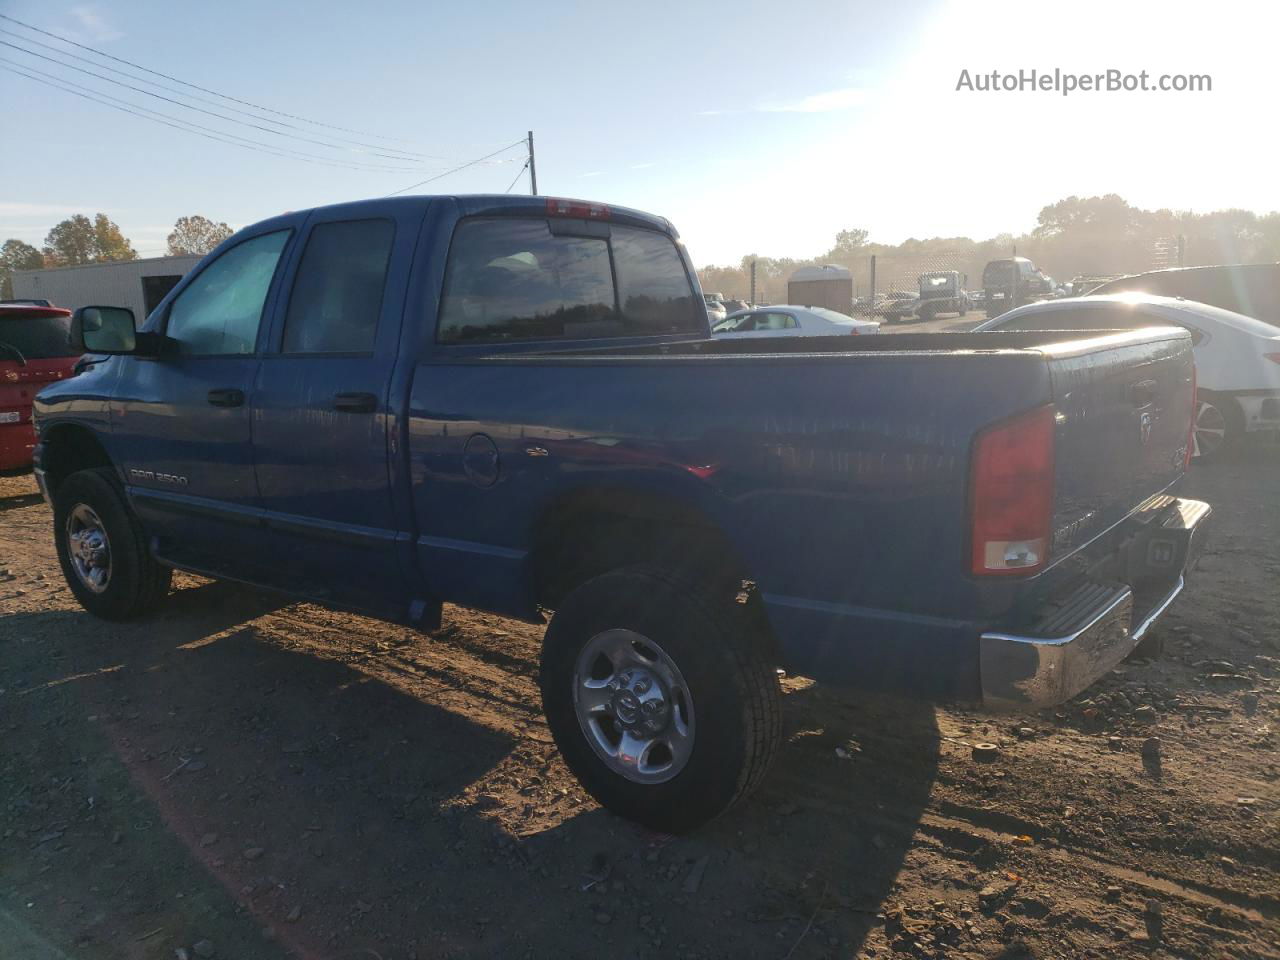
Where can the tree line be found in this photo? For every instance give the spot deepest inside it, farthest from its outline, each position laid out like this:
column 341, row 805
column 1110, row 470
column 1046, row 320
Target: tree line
column 79, row 240
column 1078, row 236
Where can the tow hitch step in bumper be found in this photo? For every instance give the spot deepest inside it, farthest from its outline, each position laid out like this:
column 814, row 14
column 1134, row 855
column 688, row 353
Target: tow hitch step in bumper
column 1087, row 634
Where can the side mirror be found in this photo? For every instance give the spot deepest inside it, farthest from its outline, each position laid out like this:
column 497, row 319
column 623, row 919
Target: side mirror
column 109, row 330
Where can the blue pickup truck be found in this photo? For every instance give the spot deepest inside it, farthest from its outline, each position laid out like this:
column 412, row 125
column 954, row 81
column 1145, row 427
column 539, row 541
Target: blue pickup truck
column 514, row 404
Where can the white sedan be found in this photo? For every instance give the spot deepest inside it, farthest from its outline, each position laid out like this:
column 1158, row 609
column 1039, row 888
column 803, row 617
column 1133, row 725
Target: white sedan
column 1237, row 357
column 715, row 309
column 790, row 321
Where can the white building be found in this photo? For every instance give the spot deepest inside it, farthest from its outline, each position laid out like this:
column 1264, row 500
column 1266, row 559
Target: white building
column 137, row 284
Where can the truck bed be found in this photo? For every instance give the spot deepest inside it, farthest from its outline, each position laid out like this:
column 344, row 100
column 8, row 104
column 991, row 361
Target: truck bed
column 838, row 467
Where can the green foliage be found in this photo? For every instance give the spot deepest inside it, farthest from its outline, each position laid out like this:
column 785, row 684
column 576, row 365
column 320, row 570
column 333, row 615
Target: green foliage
column 16, row 255
column 196, row 235
column 78, row 240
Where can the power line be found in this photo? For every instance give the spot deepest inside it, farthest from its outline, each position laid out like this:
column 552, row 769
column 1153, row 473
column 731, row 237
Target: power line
column 187, row 106
column 189, row 127
column 464, row 166
column 408, row 154
column 523, row 167
column 224, row 96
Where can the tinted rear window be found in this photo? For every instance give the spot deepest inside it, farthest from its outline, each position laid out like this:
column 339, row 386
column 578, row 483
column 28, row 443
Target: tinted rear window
column 998, row 272
column 513, row 279
column 36, row 337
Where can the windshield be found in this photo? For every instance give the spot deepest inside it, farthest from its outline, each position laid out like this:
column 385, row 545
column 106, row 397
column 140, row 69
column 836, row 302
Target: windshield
column 35, row 337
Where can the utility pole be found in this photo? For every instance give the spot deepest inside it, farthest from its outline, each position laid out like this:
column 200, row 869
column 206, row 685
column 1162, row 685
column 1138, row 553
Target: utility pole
column 1013, row 282
column 871, row 303
column 533, row 170
column 753, row 283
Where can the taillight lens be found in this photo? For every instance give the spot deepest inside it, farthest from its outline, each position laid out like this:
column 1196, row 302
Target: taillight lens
column 1191, row 420
column 557, row 207
column 1011, row 494
column 1273, row 357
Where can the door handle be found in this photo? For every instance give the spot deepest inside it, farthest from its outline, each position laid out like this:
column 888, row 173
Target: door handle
column 355, row 402
column 227, row 397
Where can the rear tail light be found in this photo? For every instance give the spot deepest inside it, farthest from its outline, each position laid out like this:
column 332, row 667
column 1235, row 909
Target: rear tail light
column 576, row 208
column 1011, row 495
column 1191, row 420
column 1273, row 357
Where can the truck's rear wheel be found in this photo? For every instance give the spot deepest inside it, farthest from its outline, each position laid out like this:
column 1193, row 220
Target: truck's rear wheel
column 665, row 708
column 102, row 549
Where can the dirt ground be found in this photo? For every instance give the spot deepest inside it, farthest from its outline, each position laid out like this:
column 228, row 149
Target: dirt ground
column 241, row 777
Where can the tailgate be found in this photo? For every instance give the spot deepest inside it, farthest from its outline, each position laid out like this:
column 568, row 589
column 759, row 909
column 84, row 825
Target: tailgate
column 1124, row 404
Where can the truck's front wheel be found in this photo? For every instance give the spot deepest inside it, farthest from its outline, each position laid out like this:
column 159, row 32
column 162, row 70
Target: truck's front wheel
column 102, row 549
column 664, row 707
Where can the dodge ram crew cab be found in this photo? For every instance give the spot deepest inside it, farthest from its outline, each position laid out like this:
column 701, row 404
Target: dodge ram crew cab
column 515, row 404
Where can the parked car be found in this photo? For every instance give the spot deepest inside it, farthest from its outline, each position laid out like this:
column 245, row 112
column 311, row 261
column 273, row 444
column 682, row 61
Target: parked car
column 1249, row 288
column 898, row 305
column 733, row 306
column 715, row 309
column 1237, row 357
column 942, row 291
column 791, row 321
column 515, row 404
column 1012, row 282
column 34, row 351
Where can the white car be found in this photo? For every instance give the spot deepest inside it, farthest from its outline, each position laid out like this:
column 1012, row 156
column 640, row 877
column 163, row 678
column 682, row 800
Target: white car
column 715, row 309
column 1237, row 357
column 788, row 321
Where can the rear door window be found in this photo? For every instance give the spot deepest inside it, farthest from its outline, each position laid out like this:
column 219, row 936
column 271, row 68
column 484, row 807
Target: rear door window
column 777, row 321
column 337, row 293
column 513, row 279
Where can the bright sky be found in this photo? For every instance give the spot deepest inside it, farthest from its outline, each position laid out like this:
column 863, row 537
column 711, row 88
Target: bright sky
column 755, row 127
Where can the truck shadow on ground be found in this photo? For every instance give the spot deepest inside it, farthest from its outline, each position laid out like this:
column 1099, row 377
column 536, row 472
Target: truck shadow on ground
column 278, row 802
column 18, row 501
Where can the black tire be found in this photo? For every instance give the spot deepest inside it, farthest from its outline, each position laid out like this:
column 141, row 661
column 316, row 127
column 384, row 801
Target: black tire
column 1219, row 422
column 136, row 583
column 731, row 680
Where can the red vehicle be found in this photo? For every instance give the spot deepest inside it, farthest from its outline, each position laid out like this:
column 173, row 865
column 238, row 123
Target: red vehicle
column 34, row 351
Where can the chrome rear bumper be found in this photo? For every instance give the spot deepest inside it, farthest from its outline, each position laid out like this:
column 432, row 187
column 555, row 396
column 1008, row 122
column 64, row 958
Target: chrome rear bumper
column 1088, row 633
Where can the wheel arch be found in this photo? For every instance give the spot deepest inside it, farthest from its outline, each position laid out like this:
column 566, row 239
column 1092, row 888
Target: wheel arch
column 67, row 448
column 1228, row 403
column 590, row 531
